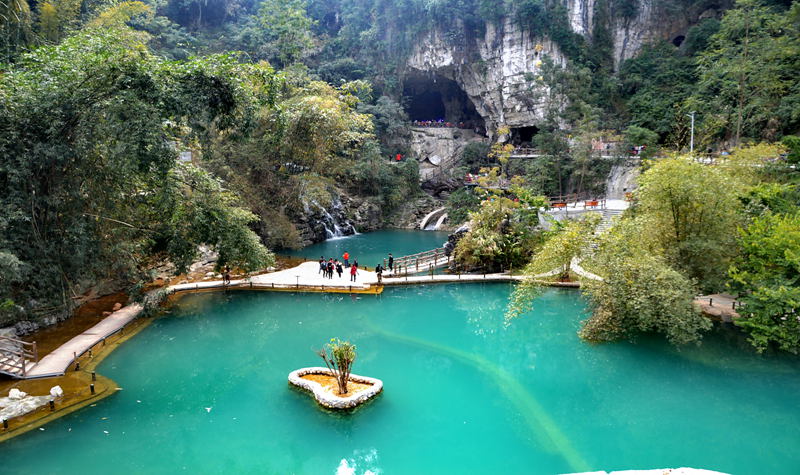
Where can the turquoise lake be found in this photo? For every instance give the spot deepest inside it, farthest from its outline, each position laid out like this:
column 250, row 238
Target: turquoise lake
column 204, row 390
column 371, row 248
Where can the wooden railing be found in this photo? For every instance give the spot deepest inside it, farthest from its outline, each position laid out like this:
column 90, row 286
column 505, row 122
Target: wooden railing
column 15, row 355
column 419, row 262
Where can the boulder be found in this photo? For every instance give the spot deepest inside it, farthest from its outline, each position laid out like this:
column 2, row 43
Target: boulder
column 16, row 394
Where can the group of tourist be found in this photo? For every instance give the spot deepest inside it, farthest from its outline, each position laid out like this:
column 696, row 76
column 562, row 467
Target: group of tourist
column 327, row 268
column 436, row 123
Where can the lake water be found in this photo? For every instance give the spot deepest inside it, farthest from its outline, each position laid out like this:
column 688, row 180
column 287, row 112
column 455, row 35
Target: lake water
column 204, row 390
column 371, row 248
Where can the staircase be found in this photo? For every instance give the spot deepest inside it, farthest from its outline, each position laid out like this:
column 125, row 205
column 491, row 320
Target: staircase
column 17, row 357
column 609, row 216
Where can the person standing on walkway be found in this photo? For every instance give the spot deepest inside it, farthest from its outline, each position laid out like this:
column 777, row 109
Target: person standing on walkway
column 339, row 269
column 226, row 276
column 330, row 268
column 346, row 258
column 353, row 272
column 322, row 266
column 391, row 262
column 379, row 272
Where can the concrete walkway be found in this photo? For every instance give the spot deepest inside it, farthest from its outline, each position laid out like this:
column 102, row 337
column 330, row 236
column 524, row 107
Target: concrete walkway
column 57, row 362
column 720, row 306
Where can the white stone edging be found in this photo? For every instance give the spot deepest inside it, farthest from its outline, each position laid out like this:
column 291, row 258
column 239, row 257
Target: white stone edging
column 330, row 400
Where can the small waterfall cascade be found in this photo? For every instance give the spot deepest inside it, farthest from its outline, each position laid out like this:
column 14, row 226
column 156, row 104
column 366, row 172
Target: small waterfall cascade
column 334, row 221
column 621, row 180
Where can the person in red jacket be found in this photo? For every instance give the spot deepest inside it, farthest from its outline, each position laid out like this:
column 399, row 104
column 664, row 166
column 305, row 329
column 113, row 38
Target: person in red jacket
column 353, row 272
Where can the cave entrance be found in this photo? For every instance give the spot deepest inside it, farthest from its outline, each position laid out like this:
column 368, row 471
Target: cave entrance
column 678, row 40
column 523, row 136
column 434, row 98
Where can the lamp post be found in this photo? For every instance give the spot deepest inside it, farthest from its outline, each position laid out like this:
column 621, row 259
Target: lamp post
column 691, row 140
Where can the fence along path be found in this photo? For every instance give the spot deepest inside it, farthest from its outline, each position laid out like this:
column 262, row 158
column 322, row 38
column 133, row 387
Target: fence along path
column 17, row 357
column 419, row 262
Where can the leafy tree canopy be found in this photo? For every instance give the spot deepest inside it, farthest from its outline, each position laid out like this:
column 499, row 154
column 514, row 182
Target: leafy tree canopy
column 89, row 184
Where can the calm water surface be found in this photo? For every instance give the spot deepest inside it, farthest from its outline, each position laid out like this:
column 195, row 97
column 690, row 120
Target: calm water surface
column 372, row 248
column 205, row 391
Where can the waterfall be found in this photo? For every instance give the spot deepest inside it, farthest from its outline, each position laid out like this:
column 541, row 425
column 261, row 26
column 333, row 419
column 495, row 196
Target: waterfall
column 335, row 224
column 621, row 179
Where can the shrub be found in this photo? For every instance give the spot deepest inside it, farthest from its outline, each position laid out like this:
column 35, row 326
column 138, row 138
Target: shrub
column 339, row 357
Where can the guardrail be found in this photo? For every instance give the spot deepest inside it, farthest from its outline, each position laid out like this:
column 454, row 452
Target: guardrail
column 15, row 355
column 419, row 262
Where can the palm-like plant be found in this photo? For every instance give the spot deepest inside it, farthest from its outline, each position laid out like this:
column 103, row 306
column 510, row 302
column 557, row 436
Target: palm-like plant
column 339, row 357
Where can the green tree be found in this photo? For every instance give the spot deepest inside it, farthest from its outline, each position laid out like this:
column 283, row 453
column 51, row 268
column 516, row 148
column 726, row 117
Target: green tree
column 567, row 242
column 643, row 294
column 748, row 83
column 766, row 277
column 390, row 124
column 16, row 28
column 654, row 83
column 639, row 292
column 339, row 357
column 636, row 136
column 460, row 203
column 287, row 28
column 58, row 18
column 691, row 211
column 498, row 238
column 87, row 155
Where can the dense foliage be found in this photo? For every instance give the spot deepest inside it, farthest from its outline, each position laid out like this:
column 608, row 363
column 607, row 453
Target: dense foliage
column 91, row 187
column 767, row 277
column 692, row 228
column 691, row 212
column 89, row 181
column 639, row 292
column 500, row 236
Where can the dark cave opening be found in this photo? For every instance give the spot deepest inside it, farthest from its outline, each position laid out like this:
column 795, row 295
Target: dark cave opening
column 433, row 98
column 678, row 40
column 523, row 136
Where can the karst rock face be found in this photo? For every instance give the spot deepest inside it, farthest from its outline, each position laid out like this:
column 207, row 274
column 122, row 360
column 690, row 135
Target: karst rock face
column 498, row 69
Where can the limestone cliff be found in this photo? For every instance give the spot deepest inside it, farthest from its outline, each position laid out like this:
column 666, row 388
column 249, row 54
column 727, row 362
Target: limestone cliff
column 495, row 70
column 498, row 69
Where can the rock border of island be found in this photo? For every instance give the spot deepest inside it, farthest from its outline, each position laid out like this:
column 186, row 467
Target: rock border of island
column 329, row 400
